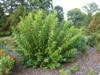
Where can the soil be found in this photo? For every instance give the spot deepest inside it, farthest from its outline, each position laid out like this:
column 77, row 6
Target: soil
column 87, row 63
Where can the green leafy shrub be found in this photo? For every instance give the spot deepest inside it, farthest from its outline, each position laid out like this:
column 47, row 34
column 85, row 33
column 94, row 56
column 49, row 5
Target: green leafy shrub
column 74, row 68
column 98, row 41
column 6, row 65
column 94, row 31
column 44, row 42
column 94, row 40
column 64, row 72
column 91, row 73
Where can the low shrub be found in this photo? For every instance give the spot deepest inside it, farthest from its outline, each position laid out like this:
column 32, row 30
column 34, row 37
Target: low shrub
column 44, row 42
column 74, row 68
column 1, row 53
column 94, row 31
column 65, row 72
column 6, row 65
column 94, row 40
column 98, row 42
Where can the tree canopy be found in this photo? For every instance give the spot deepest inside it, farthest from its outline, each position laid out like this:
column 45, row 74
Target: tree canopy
column 60, row 13
column 76, row 16
column 91, row 8
column 11, row 5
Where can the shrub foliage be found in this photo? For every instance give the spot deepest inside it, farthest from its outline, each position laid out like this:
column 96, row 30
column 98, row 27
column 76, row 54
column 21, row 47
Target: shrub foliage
column 94, row 31
column 44, row 42
column 6, row 63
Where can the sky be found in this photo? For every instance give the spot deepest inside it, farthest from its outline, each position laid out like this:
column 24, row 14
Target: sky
column 70, row 4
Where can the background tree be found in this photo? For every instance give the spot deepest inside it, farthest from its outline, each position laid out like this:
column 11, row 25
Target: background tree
column 60, row 13
column 19, row 8
column 95, row 23
column 14, row 18
column 76, row 17
column 2, row 18
column 9, row 5
column 91, row 8
column 41, row 4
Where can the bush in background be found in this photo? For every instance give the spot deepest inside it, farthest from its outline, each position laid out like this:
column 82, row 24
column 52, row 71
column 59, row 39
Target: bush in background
column 44, row 42
column 94, row 31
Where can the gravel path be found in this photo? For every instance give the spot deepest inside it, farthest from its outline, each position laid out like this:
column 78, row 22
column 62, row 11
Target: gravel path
column 87, row 63
column 21, row 70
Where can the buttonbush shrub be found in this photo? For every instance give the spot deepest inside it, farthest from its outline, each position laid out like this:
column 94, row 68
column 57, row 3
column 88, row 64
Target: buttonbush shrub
column 44, row 42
